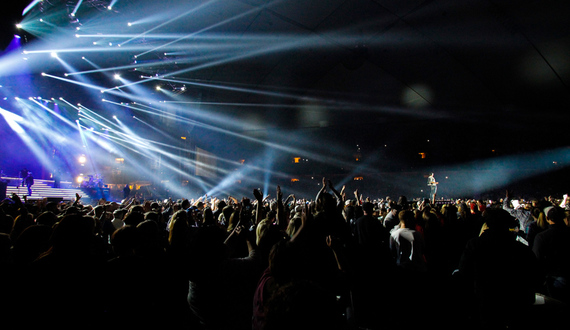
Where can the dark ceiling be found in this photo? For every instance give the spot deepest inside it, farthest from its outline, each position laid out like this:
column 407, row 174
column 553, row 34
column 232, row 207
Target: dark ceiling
column 465, row 74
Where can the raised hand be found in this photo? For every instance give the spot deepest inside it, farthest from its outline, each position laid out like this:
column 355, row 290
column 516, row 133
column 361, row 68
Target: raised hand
column 279, row 193
column 258, row 196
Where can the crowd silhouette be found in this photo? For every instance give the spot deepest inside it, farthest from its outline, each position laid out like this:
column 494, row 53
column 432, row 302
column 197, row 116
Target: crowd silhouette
column 285, row 263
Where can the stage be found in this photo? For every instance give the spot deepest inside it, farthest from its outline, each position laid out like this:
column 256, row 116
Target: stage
column 45, row 189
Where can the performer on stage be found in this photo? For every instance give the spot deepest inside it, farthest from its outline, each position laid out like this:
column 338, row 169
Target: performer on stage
column 29, row 182
column 126, row 191
column 433, row 187
column 23, row 176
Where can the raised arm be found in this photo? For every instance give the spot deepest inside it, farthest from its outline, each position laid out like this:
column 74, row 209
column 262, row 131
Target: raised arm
column 281, row 216
column 322, row 190
column 335, row 192
column 357, row 195
column 259, row 197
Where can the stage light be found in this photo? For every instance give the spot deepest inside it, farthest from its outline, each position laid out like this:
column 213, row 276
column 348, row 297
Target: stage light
column 110, row 8
column 82, row 57
column 79, row 179
column 114, row 117
column 19, row 26
column 54, row 54
column 117, row 76
column 158, row 88
column 130, row 24
column 82, row 159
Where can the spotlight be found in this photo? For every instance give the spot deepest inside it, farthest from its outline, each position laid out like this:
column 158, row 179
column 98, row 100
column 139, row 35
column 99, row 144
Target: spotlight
column 19, row 26
column 54, row 54
column 43, row 74
column 158, row 88
column 110, row 8
column 82, row 57
column 130, row 24
column 114, row 117
column 79, row 179
column 82, row 159
column 117, row 76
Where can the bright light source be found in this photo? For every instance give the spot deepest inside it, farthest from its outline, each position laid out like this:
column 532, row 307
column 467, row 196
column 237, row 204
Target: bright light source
column 114, row 117
column 79, row 179
column 110, row 8
column 43, row 73
column 117, row 76
column 158, row 88
column 54, row 54
column 130, row 24
column 82, row 159
column 19, row 26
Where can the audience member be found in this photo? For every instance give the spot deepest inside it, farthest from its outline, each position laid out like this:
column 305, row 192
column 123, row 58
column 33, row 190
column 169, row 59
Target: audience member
column 274, row 264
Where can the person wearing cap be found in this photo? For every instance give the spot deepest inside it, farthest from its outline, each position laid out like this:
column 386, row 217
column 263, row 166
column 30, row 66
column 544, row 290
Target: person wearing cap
column 523, row 216
column 552, row 248
column 391, row 220
column 432, row 184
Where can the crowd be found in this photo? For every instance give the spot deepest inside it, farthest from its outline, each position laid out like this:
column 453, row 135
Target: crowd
column 335, row 262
